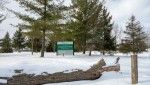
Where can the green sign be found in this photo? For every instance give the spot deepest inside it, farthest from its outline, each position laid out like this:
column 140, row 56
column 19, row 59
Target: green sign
column 66, row 47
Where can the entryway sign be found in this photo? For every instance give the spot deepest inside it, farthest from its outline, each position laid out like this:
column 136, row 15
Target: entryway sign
column 65, row 48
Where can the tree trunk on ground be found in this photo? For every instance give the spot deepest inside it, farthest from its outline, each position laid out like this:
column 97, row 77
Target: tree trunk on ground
column 93, row 73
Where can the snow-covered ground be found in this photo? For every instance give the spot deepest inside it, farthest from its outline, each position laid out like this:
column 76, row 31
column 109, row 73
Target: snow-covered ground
column 52, row 63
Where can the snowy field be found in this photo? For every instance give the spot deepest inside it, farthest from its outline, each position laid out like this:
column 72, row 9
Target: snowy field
column 52, row 63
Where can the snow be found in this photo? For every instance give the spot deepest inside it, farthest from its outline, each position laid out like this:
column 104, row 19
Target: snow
column 52, row 63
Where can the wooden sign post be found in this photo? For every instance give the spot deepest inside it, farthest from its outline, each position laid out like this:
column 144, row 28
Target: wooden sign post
column 134, row 69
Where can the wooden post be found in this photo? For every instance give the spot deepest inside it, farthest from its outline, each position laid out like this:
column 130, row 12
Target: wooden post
column 134, row 69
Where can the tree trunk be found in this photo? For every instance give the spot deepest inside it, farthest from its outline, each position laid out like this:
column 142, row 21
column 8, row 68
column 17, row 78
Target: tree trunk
column 92, row 73
column 43, row 44
column 43, row 37
column 90, row 53
column 19, row 49
column 32, row 42
column 84, row 42
column 103, row 52
column 84, row 47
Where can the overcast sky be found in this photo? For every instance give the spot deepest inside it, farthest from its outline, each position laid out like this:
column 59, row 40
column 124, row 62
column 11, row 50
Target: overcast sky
column 121, row 10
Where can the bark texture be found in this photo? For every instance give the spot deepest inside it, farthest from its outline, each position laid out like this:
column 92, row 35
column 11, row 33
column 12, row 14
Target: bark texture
column 93, row 73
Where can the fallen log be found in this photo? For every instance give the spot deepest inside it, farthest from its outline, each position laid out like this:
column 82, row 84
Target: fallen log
column 5, row 78
column 112, row 68
column 3, row 84
column 93, row 73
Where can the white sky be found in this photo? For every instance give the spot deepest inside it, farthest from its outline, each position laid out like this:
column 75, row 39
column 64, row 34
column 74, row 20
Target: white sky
column 121, row 10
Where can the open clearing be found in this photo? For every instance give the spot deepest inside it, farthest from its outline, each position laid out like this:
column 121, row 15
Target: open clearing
column 52, row 63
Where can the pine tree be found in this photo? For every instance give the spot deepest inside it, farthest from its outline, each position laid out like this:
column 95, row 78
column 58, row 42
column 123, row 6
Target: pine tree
column 104, row 40
column 84, row 17
column 18, row 40
column 47, row 14
column 6, row 44
column 34, row 44
column 135, row 40
column 92, row 24
column 33, row 35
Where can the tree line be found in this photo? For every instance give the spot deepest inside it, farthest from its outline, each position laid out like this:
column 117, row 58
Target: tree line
column 86, row 22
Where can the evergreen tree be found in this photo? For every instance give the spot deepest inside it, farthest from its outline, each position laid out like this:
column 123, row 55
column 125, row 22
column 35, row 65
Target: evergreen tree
column 18, row 40
column 34, row 36
column 47, row 20
column 6, row 44
column 103, row 37
column 92, row 25
column 34, row 44
column 84, row 17
column 135, row 37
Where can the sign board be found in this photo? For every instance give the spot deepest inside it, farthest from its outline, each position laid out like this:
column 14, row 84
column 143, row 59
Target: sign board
column 65, row 48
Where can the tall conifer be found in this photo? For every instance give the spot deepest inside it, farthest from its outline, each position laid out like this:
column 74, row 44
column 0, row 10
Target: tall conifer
column 6, row 44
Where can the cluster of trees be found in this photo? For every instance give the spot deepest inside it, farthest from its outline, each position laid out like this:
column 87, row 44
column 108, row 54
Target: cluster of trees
column 17, row 42
column 92, row 26
column 86, row 22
